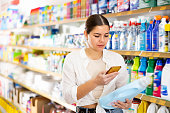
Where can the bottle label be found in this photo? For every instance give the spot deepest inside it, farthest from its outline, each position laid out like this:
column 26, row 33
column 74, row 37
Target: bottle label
column 141, row 74
column 161, row 39
column 164, row 90
column 133, row 75
column 150, row 75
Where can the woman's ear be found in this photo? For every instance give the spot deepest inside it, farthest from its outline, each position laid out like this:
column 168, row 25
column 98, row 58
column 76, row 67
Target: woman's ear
column 85, row 34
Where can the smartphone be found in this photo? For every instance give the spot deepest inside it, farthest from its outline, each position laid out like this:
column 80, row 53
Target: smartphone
column 113, row 69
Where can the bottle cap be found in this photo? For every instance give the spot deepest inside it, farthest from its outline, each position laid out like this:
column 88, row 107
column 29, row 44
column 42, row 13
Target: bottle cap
column 151, row 22
column 158, row 17
column 168, row 61
column 167, row 17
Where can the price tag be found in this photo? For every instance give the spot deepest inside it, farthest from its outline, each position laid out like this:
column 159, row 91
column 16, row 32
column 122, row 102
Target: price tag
column 129, row 12
column 163, row 8
column 162, row 102
column 153, row 100
column 119, row 14
column 156, row 54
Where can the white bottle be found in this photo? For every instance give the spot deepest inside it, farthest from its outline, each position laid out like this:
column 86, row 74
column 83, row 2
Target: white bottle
column 153, row 108
column 163, row 109
column 162, row 35
column 128, row 91
column 165, row 81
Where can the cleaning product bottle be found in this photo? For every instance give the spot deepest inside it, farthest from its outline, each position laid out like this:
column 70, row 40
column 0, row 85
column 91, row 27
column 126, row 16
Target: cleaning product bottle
column 157, row 78
column 165, row 84
column 134, row 34
column 163, row 109
column 149, row 37
column 142, row 40
column 153, row 108
column 129, row 67
column 128, row 91
column 143, row 106
column 162, row 35
column 138, row 26
column 142, row 68
column 155, row 34
column 167, row 18
column 167, row 37
column 150, row 73
column 134, row 72
column 123, row 37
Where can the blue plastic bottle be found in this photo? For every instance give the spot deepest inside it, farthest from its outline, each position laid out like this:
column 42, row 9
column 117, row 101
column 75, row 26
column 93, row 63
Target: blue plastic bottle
column 142, row 67
column 155, row 34
column 149, row 37
column 142, row 40
column 128, row 91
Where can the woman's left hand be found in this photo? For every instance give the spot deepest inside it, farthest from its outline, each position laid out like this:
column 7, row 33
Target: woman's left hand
column 123, row 105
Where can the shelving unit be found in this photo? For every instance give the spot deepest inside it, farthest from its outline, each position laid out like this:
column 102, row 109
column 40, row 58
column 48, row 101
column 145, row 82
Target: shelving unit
column 153, row 100
column 110, row 15
column 34, row 69
column 71, row 107
column 122, row 52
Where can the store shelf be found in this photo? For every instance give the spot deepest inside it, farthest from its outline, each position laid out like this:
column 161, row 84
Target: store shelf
column 71, row 107
column 153, row 100
column 122, row 52
column 110, row 15
column 34, row 69
column 46, row 48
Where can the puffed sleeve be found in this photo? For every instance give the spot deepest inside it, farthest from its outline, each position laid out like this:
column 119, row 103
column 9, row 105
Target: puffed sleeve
column 69, row 87
column 122, row 79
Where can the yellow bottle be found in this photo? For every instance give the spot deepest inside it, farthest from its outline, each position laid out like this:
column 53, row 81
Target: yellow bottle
column 143, row 106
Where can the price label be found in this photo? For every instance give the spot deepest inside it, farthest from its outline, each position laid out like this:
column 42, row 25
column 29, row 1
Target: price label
column 161, row 102
column 156, row 54
column 119, row 14
column 163, row 8
column 153, row 100
column 129, row 12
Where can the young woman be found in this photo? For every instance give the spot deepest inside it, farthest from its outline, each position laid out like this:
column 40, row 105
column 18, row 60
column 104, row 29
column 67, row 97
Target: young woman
column 84, row 78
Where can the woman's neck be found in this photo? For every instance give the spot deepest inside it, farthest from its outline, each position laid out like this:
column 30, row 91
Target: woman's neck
column 92, row 54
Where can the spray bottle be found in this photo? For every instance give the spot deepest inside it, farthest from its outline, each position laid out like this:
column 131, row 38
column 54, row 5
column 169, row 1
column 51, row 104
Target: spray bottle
column 155, row 34
column 149, row 37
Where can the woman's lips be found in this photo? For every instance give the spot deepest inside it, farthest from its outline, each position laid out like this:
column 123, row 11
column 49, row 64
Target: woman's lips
column 100, row 45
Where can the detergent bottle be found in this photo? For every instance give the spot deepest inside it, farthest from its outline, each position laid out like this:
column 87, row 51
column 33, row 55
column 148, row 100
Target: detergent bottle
column 167, row 37
column 150, row 73
column 134, row 72
column 157, row 78
column 129, row 67
column 143, row 106
column 163, row 109
column 142, row 40
column 155, row 34
column 153, row 108
column 162, row 35
column 128, row 91
column 165, row 84
column 142, row 67
column 149, row 37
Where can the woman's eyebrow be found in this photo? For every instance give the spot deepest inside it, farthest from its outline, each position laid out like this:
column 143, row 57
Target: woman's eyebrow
column 97, row 33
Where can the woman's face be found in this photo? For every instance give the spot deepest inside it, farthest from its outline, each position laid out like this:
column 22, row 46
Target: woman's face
column 98, row 37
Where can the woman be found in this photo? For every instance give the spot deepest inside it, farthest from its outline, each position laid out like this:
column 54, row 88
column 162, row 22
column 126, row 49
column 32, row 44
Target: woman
column 84, row 73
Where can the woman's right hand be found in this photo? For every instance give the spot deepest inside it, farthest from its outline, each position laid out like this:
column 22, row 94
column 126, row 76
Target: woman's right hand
column 102, row 78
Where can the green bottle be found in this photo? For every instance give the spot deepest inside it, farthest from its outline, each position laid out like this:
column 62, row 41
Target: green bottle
column 150, row 72
column 134, row 72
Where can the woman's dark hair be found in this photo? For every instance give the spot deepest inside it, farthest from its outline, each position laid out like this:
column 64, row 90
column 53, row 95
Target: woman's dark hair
column 95, row 20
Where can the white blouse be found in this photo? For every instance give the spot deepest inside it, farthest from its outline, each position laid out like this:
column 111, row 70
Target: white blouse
column 75, row 74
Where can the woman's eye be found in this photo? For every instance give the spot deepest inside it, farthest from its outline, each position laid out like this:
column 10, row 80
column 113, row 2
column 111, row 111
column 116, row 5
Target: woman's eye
column 106, row 35
column 96, row 36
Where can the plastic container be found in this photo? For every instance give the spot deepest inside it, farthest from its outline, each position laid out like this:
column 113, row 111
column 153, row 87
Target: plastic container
column 167, row 37
column 147, row 3
column 143, row 106
column 157, row 79
column 153, row 108
column 142, row 68
column 163, row 109
column 149, row 37
column 134, row 72
column 142, row 40
column 129, row 67
column 155, row 34
column 163, row 2
column 150, row 73
column 165, row 84
column 128, row 91
column 162, row 36
column 134, row 4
